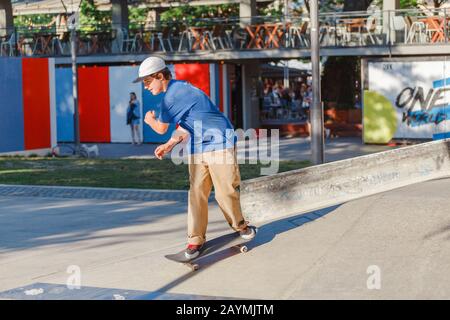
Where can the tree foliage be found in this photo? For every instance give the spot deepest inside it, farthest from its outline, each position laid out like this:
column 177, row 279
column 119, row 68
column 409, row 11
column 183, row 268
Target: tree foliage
column 136, row 17
column 28, row 21
column 91, row 17
column 408, row 4
column 189, row 13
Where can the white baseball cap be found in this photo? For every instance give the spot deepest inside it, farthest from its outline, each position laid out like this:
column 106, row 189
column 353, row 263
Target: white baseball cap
column 150, row 66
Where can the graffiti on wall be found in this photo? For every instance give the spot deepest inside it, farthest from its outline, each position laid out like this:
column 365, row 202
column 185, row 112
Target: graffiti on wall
column 421, row 107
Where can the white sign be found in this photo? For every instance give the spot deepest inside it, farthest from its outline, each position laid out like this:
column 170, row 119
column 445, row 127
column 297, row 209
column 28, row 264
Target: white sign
column 417, row 93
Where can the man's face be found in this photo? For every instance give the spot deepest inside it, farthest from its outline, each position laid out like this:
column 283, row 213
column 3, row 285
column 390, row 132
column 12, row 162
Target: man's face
column 153, row 83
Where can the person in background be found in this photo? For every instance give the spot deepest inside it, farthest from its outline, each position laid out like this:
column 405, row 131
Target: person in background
column 133, row 118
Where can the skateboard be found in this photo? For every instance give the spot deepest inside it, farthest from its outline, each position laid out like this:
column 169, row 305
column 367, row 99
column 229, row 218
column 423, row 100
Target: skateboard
column 229, row 240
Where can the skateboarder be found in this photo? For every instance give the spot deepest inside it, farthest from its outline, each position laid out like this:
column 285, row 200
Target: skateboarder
column 193, row 111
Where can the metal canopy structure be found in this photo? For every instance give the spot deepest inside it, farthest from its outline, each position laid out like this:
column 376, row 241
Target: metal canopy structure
column 26, row 7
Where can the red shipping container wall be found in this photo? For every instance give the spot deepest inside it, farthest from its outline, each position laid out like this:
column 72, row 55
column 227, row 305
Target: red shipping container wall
column 93, row 91
column 36, row 103
column 195, row 73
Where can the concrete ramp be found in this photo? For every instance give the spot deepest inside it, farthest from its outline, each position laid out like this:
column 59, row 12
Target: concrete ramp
column 391, row 245
column 293, row 192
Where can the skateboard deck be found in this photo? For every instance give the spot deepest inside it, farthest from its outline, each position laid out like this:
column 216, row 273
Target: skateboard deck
column 225, row 241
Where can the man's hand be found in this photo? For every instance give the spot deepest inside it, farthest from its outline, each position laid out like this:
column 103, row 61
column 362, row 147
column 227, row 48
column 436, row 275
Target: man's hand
column 156, row 125
column 150, row 117
column 178, row 136
column 163, row 149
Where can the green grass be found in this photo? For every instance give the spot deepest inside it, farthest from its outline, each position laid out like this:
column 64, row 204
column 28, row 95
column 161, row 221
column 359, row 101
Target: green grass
column 129, row 173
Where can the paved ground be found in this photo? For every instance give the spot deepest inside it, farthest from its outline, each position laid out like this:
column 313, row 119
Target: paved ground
column 290, row 149
column 396, row 241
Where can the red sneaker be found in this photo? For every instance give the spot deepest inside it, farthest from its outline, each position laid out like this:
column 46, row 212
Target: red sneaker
column 192, row 251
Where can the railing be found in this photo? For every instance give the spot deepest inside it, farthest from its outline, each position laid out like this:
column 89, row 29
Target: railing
column 337, row 30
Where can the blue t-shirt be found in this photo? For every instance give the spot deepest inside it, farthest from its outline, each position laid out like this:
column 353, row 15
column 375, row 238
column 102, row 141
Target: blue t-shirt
column 192, row 109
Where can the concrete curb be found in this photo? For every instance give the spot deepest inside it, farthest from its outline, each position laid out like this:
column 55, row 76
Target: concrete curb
column 93, row 193
column 295, row 192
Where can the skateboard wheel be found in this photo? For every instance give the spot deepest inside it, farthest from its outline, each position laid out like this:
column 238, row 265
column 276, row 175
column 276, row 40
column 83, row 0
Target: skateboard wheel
column 195, row 267
column 244, row 249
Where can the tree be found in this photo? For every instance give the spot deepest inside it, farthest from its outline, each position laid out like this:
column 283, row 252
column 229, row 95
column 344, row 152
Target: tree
column 302, row 6
column 408, row 4
column 136, row 17
column 32, row 20
column 356, row 5
column 189, row 13
column 426, row 3
column 438, row 3
column 341, row 74
column 91, row 17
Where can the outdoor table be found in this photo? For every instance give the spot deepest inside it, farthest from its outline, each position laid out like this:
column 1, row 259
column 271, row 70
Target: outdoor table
column 437, row 25
column 275, row 32
column 23, row 42
column 42, row 43
column 99, row 40
column 350, row 27
column 199, row 39
column 355, row 24
column 146, row 40
column 82, row 43
column 256, row 39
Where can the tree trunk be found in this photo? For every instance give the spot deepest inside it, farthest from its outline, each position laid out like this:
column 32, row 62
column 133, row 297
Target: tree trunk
column 439, row 3
column 342, row 73
column 307, row 5
column 356, row 5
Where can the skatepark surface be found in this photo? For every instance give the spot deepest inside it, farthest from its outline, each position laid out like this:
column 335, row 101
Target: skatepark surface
column 391, row 245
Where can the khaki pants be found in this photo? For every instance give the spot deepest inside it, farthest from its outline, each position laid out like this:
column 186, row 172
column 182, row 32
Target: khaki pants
column 218, row 168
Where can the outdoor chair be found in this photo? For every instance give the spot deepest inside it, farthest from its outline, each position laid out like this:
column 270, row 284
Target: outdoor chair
column 8, row 45
column 373, row 31
column 398, row 24
column 343, row 35
column 117, row 43
column 122, row 42
column 165, row 36
column 299, row 33
column 326, row 35
column 216, row 35
column 430, row 31
column 57, row 43
column 147, row 41
column 237, row 37
column 417, row 31
column 229, row 37
column 128, row 44
column 185, row 39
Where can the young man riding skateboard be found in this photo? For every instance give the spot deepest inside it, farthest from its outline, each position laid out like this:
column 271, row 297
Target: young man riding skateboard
column 193, row 111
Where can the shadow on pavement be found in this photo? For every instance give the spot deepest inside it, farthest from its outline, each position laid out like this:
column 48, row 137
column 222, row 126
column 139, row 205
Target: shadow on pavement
column 54, row 221
column 266, row 233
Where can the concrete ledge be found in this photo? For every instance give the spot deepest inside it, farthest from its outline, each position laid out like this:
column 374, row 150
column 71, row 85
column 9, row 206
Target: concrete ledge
column 93, row 193
column 39, row 152
column 295, row 192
